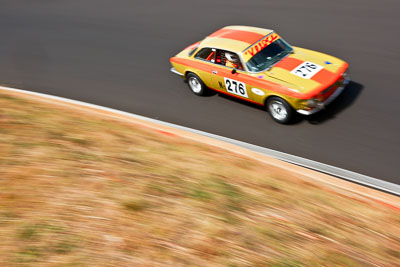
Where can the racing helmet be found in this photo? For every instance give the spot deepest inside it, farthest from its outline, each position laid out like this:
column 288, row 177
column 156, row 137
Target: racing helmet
column 231, row 57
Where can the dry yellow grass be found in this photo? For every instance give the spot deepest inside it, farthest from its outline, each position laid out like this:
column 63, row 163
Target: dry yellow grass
column 80, row 190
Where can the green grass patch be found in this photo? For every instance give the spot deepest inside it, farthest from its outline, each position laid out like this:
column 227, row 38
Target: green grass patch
column 136, row 205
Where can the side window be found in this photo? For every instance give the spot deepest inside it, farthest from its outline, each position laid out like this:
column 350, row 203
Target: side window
column 228, row 59
column 206, row 54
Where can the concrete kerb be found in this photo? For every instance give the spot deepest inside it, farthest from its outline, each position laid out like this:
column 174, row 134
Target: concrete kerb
column 311, row 169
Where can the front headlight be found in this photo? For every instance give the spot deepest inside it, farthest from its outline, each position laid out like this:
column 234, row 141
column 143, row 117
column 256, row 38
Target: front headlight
column 346, row 73
column 312, row 102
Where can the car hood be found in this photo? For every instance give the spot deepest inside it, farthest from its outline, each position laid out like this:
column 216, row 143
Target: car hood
column 306, row 71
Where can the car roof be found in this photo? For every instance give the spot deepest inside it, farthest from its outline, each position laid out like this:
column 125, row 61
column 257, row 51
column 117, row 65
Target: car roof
column 235, row 38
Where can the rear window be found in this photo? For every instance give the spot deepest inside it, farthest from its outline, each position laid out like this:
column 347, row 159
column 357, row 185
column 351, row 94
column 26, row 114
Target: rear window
column 194, row 49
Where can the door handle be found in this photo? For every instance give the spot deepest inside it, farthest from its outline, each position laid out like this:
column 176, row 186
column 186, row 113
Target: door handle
column 215, row 72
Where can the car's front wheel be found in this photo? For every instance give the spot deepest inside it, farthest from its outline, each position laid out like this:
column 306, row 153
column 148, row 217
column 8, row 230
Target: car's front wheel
column 196, row 84
column 280, row 110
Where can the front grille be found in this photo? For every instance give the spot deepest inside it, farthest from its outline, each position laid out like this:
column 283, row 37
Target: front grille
column 334, row 86
column 330, row 90
column 327, row 89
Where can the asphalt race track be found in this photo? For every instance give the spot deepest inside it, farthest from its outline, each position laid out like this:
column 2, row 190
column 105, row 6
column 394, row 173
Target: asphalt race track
column 116, row 54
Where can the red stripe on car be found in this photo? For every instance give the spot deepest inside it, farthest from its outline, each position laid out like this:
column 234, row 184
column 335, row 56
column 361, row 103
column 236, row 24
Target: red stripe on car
column 238, row 35
column 288, row 63
column 325, row 76
column 235, row 96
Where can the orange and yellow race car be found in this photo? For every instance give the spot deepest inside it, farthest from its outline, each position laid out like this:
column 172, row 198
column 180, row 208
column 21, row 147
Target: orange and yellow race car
column 258, row 66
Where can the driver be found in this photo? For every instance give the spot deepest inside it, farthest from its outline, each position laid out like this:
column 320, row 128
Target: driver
column 231, row 60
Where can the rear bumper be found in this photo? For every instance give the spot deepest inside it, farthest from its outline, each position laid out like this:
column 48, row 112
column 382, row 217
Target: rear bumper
column 322, row 105
column 176, row 72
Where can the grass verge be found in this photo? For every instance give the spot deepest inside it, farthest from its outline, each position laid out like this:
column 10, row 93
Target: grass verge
column 80, row 190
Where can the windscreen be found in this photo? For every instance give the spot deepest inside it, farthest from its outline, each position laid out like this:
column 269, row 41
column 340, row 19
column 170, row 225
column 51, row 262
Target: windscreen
column 270, row 53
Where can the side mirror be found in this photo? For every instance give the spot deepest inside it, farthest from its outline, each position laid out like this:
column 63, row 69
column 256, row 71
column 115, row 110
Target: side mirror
column 233, row 71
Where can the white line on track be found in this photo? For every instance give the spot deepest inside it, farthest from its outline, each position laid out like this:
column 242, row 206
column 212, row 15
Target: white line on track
column 310, row 164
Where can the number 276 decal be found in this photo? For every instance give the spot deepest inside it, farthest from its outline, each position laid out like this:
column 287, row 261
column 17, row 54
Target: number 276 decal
column 235, row 87
column 306, row 70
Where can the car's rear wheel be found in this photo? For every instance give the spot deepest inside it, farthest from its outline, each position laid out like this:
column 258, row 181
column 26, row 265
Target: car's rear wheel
column 280, row 110
column 196, row 84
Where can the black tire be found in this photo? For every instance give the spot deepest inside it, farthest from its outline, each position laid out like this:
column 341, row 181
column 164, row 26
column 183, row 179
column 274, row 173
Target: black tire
column 280, row 110
column 196, row 85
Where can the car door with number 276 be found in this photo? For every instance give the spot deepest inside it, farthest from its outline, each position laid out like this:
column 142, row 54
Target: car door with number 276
column 227, row 81
column 235, row 87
